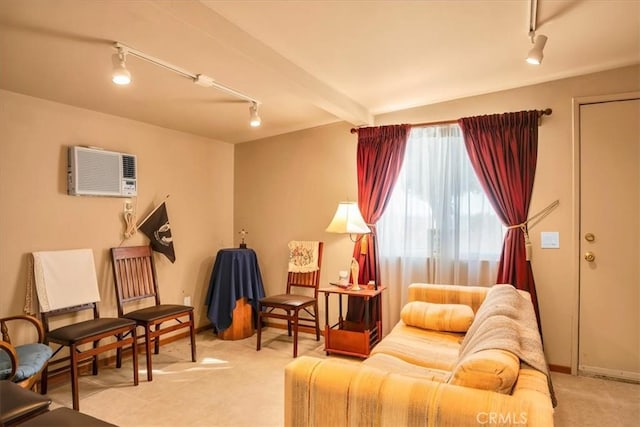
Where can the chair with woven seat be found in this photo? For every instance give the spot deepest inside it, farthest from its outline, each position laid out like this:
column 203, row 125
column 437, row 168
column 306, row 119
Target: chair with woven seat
column 23, row 364
column 305, row 261
column 135, row 280
column 66, row 285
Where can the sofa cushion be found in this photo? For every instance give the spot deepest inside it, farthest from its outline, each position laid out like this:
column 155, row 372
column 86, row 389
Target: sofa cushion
column 396, row 365
column 473, row 296
column 495, row 370
column 422, row 347
column 438, row 317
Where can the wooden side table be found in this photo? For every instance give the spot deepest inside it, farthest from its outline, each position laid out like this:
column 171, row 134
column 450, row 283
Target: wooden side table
column 353, row 338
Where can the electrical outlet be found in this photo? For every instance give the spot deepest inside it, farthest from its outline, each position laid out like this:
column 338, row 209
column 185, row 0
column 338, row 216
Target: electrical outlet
column 187, row 300
column 128, row 206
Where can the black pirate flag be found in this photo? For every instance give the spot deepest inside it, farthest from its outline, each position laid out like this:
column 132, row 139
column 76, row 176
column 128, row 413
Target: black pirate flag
column 156, row 227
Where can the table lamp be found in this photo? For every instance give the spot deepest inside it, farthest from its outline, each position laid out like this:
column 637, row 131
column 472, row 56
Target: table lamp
column 348, row 220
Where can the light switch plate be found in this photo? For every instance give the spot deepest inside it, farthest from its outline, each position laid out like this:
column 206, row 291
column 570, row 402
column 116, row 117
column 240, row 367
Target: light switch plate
column 549, row 239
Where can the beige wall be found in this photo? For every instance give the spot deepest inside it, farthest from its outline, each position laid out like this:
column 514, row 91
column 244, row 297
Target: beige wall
column 37, row 214
column 280, row 188
column 288, row 187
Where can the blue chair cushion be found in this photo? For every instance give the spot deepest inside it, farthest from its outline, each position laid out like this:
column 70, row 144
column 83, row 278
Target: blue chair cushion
column 31, row 359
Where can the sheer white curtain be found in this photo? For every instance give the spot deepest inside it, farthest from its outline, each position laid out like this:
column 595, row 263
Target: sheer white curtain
column 438, row 227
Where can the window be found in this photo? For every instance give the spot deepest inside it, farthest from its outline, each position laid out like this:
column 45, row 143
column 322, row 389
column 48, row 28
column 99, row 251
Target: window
column 439, row 226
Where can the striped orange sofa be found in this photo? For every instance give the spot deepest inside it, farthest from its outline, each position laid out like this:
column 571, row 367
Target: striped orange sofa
column 459, row 356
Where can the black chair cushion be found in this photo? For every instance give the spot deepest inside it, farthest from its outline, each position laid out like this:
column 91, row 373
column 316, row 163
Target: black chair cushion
column 65, row 417
column 78, row 331
column 17, row 403
column 156, row 312
column 290, row 300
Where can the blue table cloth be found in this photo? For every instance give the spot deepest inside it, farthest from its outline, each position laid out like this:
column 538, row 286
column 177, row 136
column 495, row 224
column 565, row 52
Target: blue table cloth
column 235, row 275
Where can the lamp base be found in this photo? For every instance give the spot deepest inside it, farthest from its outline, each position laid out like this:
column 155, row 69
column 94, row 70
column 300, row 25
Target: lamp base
column 355, row 287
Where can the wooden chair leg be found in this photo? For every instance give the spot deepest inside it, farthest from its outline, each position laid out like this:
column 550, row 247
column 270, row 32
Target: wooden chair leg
column 44, row 383
column 315, row 316
column 156, row 341
column 119, row 353
column 148, row 344
column 259, row 331
column 94, row 359
column 134, row 355
column 192, row 331
column 295, row 334
column 74, row 377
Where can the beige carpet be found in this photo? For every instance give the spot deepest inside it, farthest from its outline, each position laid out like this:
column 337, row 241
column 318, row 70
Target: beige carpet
column 587, row 402
column 233, row 385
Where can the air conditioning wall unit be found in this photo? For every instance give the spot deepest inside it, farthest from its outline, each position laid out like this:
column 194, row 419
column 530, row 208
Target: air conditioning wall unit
column 96, row 172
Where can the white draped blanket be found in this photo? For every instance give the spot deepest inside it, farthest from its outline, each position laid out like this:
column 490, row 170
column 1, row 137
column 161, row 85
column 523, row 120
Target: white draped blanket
column 65, row 278
column 506, row 321
column 303, row 256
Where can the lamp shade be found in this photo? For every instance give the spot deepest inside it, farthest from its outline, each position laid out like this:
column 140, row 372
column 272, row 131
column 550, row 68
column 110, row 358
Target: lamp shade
column 348, row 220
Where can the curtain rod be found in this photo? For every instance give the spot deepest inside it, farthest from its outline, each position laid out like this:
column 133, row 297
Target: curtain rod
column 545, row 112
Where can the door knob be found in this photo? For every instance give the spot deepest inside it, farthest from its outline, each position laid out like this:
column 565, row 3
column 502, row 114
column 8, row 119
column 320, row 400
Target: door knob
column 589, row 256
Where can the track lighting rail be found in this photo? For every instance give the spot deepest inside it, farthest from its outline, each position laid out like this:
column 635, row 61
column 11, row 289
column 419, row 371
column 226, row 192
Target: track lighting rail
column 199, row 79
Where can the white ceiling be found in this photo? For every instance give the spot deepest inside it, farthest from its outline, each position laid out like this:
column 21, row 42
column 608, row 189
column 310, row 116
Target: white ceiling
column 309, row 63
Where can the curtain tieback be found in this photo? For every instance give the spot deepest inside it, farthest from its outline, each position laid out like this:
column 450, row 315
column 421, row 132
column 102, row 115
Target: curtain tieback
column 525, row 232
column 364, row 244
column 524, row 226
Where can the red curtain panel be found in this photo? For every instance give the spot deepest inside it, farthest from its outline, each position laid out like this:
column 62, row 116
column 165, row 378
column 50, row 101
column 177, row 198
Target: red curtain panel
column 503, row 149
column 379, row 160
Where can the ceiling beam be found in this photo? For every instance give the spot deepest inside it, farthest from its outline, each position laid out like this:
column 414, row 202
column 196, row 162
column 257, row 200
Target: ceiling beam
column 304, row 84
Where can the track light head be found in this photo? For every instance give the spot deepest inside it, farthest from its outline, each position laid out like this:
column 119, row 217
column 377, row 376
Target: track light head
column 121, row 76
column 536, row 53
column 254, row 120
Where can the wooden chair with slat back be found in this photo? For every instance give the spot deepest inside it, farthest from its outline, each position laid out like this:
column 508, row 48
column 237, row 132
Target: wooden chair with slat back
column 135, row 280
column 290, row 304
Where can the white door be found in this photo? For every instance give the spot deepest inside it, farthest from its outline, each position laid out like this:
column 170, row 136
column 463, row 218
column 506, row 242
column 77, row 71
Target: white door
column 609, row 321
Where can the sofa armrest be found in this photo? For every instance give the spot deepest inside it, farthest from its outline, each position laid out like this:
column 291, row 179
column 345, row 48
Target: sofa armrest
column 531, row 385
column 472, row 296
column 329, row 392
